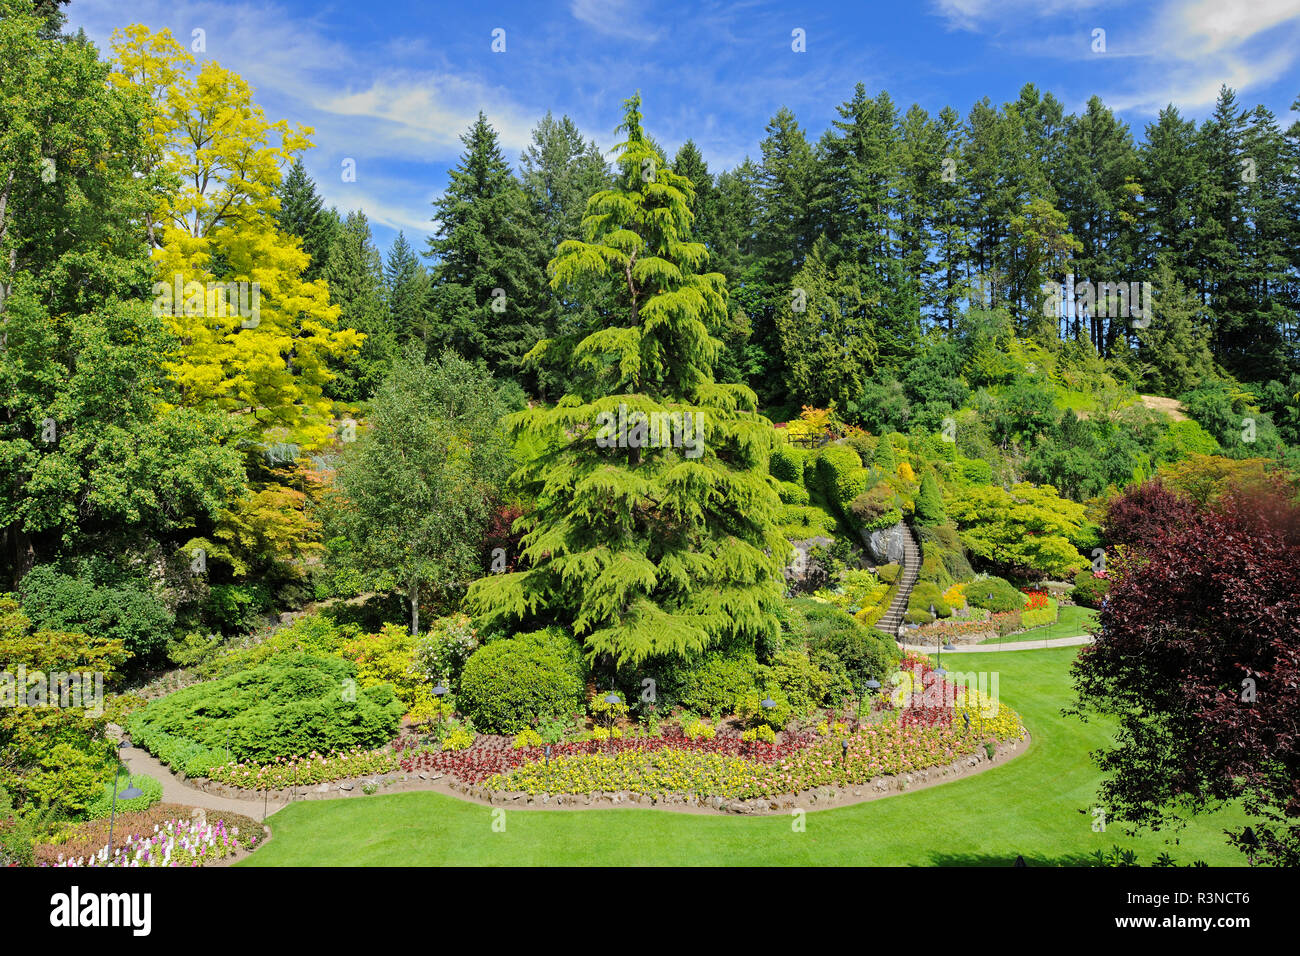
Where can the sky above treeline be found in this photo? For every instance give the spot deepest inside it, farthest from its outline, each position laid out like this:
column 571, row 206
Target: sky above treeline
column 393, row 85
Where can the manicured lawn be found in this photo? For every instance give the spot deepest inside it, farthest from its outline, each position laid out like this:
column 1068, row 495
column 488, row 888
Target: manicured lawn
column 1037, row 805
column 1071, row 622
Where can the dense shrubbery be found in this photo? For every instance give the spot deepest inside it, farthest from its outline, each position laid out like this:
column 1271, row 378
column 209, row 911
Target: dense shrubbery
column 15, row 835
column 864, row 653
column 1089, row 590
column 130, row 614
column 285, row 707
column 150, row 793
column 509, row 682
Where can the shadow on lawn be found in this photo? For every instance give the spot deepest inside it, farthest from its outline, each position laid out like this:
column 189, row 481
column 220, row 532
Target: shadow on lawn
column 1009, row 859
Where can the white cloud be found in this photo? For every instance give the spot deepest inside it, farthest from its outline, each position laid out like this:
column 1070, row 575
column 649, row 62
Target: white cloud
column 616, row 18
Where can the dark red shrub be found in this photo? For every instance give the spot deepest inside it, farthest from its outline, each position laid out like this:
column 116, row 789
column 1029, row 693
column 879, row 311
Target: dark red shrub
column 1198, row 658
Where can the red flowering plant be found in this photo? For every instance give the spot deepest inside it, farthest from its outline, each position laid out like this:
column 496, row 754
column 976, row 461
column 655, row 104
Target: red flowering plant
column 1035, row 600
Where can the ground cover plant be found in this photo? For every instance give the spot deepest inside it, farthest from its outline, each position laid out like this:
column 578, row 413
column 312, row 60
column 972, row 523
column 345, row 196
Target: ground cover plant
column 286, row 707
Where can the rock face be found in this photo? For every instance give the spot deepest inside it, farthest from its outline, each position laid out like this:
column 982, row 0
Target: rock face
column 886, row 545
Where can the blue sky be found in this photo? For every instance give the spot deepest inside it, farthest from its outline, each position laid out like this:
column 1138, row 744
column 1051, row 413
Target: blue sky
column 393, row 85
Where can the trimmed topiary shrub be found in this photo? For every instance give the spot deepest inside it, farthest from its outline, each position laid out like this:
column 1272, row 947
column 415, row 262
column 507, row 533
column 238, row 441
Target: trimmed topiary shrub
column 888, row 572
column 508, row 683
column 786, row 464
column 995, row 594
column 923, row 595
column 792, row 494
column 840, row 475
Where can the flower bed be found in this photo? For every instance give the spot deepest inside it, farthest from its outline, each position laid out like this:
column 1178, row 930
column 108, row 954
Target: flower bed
column 174, row 842
column 497, row 755
column 874, row 750
column 303, row 771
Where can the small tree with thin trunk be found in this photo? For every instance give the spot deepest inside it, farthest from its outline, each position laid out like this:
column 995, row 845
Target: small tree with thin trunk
column 414, row 494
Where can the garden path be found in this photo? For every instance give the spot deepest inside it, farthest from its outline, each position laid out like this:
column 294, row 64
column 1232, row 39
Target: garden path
column 1004, row 646
column 176, row 791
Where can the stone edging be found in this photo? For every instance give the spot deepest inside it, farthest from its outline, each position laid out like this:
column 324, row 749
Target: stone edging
column 818, row 798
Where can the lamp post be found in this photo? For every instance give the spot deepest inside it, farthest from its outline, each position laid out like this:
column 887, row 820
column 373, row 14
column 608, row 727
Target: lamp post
column 767, row 703
column 438, row 692
column 872, row 686
column 613, row 700
column 130, row 793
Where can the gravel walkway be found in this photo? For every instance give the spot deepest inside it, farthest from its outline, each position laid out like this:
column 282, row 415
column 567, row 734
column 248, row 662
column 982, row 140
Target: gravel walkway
column 176, row 791
column 1004, row 646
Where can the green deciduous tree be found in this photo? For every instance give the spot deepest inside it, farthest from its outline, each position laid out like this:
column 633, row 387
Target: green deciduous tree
column 414, row 493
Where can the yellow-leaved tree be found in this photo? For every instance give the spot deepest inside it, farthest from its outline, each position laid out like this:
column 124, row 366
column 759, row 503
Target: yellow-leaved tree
column 253, row 337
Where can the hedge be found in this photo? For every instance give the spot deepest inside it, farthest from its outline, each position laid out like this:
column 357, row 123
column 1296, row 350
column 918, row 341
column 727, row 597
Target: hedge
column 840, row 474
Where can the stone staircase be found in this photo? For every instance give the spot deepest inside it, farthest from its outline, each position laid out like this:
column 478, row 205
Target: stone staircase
column 892, row 619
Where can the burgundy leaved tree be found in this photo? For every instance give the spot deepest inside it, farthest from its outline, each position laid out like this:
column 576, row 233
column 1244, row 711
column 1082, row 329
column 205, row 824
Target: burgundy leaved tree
column 1143, row 514
column 1198, row 659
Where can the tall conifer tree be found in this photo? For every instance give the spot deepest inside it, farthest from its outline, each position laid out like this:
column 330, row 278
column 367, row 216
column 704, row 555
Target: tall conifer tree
column 647, row 538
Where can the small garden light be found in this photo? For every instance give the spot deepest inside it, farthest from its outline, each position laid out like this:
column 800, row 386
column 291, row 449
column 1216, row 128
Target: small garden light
column 130, row 793
column 613, row 700
column 844, row 753
column 767, row 703
column 439, row 692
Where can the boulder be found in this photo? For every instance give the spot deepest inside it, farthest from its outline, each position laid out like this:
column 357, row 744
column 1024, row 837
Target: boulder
column 886, row 545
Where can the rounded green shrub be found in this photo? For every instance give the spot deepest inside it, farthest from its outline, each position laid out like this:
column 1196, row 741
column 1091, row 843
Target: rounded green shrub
column 925, row 594
column 801, row 681
column 786, row 464
column 994, row 594
column 792, row 494
column 285, row 707
column 714, row 683
column 865, row 653
column 1089, row 590
column 508, row 683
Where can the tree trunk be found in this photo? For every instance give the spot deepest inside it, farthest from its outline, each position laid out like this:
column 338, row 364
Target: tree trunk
column 414, row 593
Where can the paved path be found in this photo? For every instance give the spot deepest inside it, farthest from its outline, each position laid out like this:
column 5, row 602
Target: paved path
column 1004, row 646
column 177, row 791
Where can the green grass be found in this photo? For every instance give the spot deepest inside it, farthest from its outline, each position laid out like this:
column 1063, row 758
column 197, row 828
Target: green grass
column 1036, row 805
column 1071, row 622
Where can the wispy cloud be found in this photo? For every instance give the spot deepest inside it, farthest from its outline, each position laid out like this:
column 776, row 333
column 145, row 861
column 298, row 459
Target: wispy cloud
column 616, row 18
